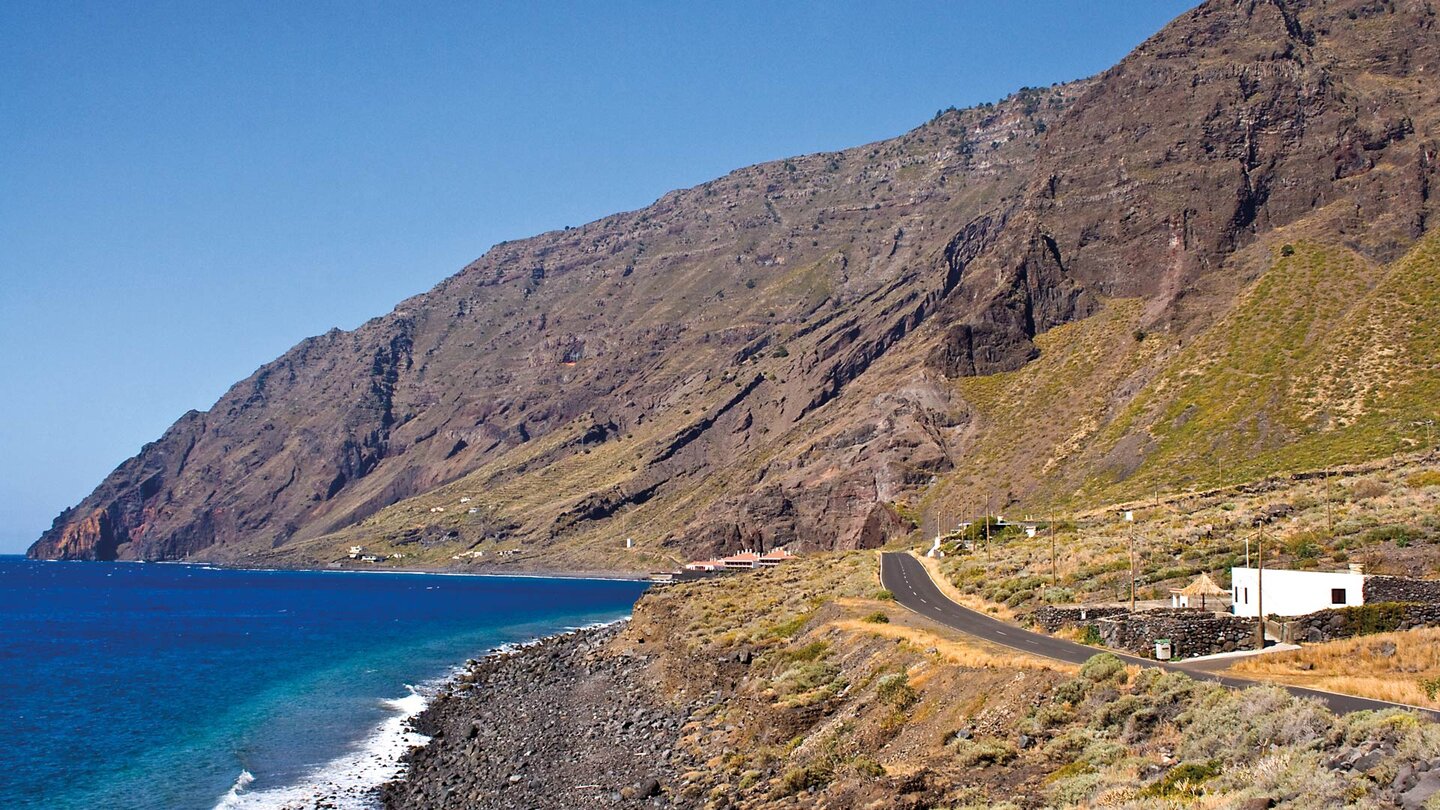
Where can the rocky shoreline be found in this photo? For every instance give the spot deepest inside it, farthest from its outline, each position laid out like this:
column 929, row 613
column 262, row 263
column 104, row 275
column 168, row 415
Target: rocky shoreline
column 562, row 722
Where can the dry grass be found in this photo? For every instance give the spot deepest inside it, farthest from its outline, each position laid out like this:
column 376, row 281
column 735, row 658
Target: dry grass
column 1394, row 666
column 952, row 648
column 958, row 596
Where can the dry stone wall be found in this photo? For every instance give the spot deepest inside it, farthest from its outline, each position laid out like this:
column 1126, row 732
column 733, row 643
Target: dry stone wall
column 1192, row 632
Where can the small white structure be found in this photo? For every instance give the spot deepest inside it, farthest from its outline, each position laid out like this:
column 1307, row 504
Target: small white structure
column 1294, row 593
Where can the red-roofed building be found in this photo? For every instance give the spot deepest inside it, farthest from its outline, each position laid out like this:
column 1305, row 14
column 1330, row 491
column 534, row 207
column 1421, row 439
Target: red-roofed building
column 774, row 558
column 745, row 559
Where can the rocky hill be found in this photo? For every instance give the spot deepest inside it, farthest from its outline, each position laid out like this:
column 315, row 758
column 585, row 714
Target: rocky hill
column 1208, row 262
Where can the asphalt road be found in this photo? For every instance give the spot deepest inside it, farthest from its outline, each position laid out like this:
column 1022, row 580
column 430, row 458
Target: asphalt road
column 907, row 578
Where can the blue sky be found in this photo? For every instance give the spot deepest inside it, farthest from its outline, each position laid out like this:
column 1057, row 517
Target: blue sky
column 187, row 189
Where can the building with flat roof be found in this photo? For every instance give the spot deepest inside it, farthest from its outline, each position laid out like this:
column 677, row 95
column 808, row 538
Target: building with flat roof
column 1294, row 593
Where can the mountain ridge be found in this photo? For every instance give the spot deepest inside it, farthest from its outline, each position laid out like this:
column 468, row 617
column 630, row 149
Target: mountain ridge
column 664, row 374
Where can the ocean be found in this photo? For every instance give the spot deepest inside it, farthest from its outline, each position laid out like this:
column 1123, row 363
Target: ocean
column 162, row 686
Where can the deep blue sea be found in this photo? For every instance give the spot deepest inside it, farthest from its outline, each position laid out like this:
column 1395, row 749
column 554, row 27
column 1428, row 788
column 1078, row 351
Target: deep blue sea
column 176, row 686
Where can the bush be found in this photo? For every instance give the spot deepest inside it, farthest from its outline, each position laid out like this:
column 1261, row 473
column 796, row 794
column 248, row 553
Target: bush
column 1102, row 668
column 1400, row 535
column 1114, row 714
column 1183, row 781
column 789, row 627
column 1431, row 687
column 797, row 780
column 1380, row 617
column 884, row 595
column 896, row 690
column 877, row 618
column 1091, row 636
column 1420, row 480
column 1072, row 691
column 1367, row 488
column 981, row 753
column 867, row 767
column 1287, row 250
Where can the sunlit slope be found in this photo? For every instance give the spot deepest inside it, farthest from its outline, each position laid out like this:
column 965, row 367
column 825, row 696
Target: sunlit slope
column 1325, row 358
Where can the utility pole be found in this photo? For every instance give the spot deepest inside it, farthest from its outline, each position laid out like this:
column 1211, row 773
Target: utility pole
column 1130, row 518
column 1054, row 571
column 1329, row 508
column 987, row 527
column 1260, row 590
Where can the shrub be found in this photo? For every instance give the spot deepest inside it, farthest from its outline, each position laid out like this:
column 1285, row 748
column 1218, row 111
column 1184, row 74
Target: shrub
column 1400, row 535
column 1091, row 636
column 981, row 753
column 1431, row 687
column 896, row 690
column 884, row 595
column 1116, row 712
column 1102, row 668
column 801, row 779
column 1185, row 780
column 789, row 627
column 1303, row 546
column 1367, row 488
column 1420, row 480
column 877, row 618
column 1380, row 617
column 867, row 767
column 1058, row 596
column 1072, row 691
column 1287, row 250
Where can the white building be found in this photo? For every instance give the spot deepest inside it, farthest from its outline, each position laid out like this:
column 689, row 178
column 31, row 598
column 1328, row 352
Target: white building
column 1294, row 593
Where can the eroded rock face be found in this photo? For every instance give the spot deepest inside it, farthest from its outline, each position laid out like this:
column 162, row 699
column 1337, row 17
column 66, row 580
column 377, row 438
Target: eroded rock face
column 703, row 371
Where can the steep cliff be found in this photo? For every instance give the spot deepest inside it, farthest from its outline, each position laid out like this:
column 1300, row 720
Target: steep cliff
column 790, row 353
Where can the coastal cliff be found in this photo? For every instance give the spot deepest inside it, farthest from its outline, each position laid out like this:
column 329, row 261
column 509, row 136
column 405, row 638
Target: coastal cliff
column 800, row 352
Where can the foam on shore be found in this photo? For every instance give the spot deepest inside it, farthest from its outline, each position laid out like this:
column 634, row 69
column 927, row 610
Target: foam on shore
column 352, row 781
column 348, row 782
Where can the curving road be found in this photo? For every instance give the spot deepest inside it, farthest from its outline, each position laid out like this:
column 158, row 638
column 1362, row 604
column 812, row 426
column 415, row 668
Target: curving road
column 908, row 579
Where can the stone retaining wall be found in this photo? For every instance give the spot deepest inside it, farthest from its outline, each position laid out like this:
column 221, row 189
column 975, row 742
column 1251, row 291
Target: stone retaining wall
column 1055, row 617
column 1401, row 589
column 1348, row 622
column 1192, row 632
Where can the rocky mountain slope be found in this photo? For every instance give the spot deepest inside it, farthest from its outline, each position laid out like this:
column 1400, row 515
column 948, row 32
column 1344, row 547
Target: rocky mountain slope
column 822, row 351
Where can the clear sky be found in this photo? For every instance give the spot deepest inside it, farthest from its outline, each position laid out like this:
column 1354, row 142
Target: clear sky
column 189, row 188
